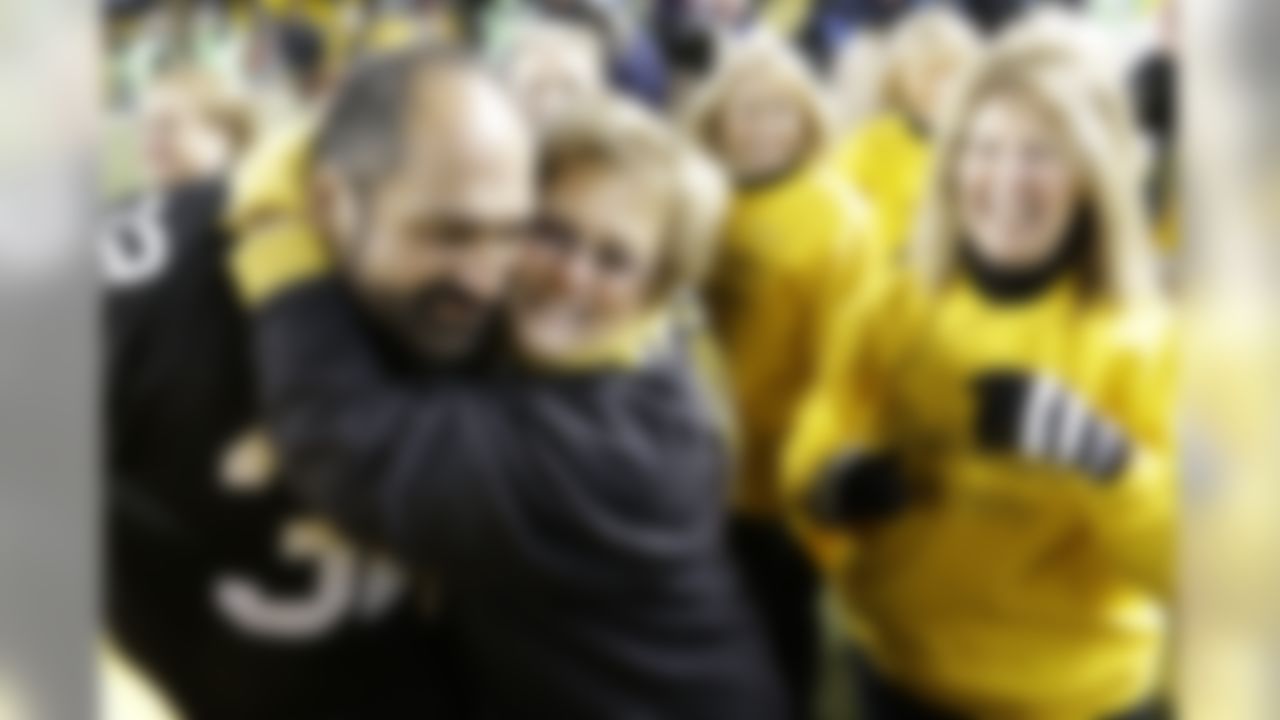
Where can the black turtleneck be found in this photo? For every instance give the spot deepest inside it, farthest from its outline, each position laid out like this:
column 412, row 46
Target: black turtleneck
column 770, row 179
column 1022, row 284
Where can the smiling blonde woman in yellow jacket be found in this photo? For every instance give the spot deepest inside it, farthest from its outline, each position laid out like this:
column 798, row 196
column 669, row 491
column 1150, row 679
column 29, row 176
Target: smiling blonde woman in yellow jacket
column 992, row 436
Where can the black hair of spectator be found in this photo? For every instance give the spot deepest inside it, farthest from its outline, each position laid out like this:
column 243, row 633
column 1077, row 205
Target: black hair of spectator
column 691, row 50
column 991, row 16
column 471, row 15
column 1154, row 88
column 361, row 133
column 301, row 49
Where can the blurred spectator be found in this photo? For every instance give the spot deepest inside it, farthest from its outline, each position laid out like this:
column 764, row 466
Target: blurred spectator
column 192, row 127
column 552, row 68
column 724, row 14
column 637, row 65
column 993, row 15
column 993, row 434
column 887, row 157
column 834, row 23
column 691, row 33
column 990, row 15
column 306, row 58
column 391, row 26
column 792, row 249
column 123, row 9
column 303, row 46
column 633, row 61
column 927, row 53
column 1154, row 85
column 858, row 78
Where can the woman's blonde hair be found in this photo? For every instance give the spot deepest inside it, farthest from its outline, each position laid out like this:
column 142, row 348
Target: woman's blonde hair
column 549, row 35
column 934, row 36
column 758, row 56
column 1046, row 64
column 619, row 134
column 859, row 78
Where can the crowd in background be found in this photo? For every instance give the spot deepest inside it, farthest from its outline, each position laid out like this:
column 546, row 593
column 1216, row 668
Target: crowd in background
column 277, row 55
column 939, row 239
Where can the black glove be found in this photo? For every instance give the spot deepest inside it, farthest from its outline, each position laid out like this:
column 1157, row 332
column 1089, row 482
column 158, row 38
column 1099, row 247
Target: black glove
column 1040, row 419
column 858, row 487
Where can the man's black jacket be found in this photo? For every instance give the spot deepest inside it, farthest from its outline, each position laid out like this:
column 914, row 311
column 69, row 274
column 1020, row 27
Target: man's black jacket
column 576, row 520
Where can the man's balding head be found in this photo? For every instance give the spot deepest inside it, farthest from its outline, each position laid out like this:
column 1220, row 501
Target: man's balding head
column 426, row 175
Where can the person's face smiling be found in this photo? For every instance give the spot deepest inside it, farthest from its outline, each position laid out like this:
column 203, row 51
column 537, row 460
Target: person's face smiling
column 591, row 265
column 762, row 128
column 1017, row 183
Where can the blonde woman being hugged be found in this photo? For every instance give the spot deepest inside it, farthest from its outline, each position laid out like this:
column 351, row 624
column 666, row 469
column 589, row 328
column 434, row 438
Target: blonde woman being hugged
column 791, row 250
column 993, row 431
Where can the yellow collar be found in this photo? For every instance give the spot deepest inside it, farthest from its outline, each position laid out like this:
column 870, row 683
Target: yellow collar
column 627, row 347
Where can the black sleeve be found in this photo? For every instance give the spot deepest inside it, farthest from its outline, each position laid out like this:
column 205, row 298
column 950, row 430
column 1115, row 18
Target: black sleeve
column 589, row 476
column 415, row 466
column 171, row 337
column 162, row 272
column 857, row 488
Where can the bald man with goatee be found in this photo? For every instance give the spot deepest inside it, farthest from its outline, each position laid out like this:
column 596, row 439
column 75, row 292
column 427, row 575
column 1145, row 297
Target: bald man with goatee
column 574, row 521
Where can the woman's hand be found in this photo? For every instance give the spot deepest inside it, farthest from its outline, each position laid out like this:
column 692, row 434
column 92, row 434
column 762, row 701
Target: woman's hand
column 1040, row 419
column 858, row 487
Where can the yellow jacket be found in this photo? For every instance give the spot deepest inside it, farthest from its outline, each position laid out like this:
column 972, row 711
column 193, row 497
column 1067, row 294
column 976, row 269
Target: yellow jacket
column 269, row 205
column 1006, row 589
column 790, row 253
column 887, row 162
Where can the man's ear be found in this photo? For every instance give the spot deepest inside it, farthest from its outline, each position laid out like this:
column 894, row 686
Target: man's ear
column 334, row 202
